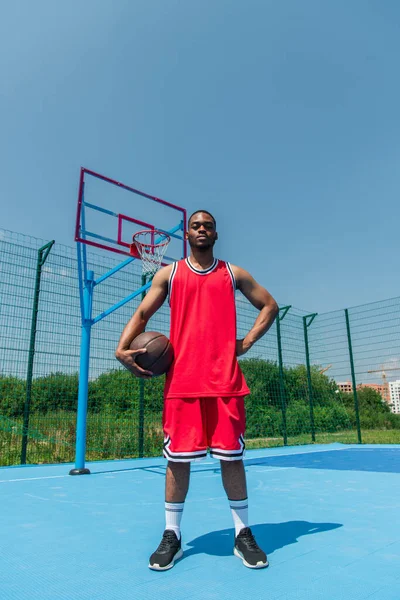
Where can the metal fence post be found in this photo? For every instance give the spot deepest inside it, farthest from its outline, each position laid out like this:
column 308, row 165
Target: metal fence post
column 282, row 393
column 306, row 325
column 353, row 376
column 43, row 253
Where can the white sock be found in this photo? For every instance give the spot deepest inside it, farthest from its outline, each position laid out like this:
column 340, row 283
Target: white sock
column 173, row 516
column 240, row 513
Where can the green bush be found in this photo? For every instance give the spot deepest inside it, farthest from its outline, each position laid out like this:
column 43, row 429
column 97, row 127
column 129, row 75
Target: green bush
column 264, row 422
column 12, row 396
column 375, row 420
column 331, row 418
column 262, row 377
column 114, row 392
column 57, row 391
column 369, row 401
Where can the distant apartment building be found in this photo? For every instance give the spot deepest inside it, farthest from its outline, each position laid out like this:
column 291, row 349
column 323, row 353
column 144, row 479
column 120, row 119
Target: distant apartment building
column 394, row 387
column 345, row 386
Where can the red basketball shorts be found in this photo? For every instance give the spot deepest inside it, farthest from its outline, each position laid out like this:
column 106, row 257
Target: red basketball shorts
column 192, row 425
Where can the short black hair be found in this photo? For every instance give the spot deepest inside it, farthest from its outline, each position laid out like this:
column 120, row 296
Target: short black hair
column 203, row 211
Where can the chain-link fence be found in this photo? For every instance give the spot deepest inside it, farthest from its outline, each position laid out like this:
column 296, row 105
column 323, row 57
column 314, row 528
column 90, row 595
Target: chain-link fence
column 323, row 378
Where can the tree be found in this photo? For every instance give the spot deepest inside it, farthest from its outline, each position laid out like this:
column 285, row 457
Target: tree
column 370, row 400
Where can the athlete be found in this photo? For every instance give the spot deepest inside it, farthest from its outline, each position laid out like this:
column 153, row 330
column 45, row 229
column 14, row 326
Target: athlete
column 205, row 388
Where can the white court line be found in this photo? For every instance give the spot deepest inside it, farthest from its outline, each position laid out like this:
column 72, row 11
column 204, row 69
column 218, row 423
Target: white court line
column 65, row 476
column 216, row 462
column 269, row 468
column 374, row 449
column 304, row 452
column 34, row 478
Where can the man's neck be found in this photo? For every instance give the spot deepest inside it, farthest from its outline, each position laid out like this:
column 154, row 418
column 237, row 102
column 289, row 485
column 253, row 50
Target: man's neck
column 201, row 260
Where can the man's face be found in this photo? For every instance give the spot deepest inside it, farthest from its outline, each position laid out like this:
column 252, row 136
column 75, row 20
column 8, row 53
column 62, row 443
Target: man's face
column 201, row 232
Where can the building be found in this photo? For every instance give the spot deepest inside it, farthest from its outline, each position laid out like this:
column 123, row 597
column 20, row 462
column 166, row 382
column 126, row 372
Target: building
column 345, row 386
column 394, row 388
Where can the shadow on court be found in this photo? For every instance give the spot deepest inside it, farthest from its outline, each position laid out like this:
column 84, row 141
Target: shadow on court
column 157, row 469
column 270, row 536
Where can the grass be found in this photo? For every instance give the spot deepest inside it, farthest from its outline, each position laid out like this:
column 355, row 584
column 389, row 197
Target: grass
column 52, row 438
column 368, row 436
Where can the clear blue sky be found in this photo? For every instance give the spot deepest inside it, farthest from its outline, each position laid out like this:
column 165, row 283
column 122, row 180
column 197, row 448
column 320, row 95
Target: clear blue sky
column 282, row 118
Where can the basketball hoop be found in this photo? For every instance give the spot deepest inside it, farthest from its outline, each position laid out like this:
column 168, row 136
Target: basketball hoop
column 151, row 253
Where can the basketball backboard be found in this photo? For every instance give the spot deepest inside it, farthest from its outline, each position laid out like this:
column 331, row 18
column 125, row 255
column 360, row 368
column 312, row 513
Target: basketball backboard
column 109, row 213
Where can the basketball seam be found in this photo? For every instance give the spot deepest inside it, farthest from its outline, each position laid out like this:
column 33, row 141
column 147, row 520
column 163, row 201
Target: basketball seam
column 161, row 356
column 153, row 340
column 160, row 335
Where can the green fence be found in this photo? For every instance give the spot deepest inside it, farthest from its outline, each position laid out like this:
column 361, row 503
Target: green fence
column 313, row 377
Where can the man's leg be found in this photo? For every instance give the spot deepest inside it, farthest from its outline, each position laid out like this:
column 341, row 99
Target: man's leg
column 226, row 417
column 246, row 547
column 227, row 422
column 176, row 487
column 181, row 419
column 234, row 481
column 177, row 481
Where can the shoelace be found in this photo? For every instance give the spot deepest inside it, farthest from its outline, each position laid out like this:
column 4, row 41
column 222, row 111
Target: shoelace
column 249, row 540
column 168, row 538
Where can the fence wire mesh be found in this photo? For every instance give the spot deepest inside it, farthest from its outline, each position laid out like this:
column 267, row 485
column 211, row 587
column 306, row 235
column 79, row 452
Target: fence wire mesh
column 289, row 402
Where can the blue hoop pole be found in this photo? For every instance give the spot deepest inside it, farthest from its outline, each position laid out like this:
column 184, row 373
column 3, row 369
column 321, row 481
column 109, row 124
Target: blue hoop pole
column 80, row 449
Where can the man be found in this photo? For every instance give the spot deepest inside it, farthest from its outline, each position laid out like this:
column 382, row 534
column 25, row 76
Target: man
column 205, row 388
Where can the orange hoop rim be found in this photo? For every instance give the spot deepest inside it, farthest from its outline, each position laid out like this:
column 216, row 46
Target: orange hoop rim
column 166, row 236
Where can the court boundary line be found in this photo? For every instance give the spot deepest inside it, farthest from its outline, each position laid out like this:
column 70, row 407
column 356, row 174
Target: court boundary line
column 44, row 477
column 163, row 466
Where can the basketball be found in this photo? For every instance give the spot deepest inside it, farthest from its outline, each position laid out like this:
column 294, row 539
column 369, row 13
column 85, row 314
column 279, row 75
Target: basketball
column 159, row 355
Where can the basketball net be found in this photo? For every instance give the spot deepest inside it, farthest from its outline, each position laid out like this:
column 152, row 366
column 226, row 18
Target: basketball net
column 151, row 253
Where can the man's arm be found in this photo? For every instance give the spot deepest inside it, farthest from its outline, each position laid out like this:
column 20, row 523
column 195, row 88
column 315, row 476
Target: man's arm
column 149, row 305
column 259, row 298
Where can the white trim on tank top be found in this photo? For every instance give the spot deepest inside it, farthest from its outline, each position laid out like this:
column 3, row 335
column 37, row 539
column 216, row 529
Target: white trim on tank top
column 228, row 265
column 171, row 279
column 202, row 271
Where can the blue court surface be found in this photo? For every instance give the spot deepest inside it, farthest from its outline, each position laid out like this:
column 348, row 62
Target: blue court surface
column 328, row 517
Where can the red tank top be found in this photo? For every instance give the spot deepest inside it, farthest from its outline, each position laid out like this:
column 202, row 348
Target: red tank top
column 203, row 333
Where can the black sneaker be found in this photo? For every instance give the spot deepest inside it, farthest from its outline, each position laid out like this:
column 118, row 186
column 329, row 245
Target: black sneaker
column 248, row 550
column 167, row 552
